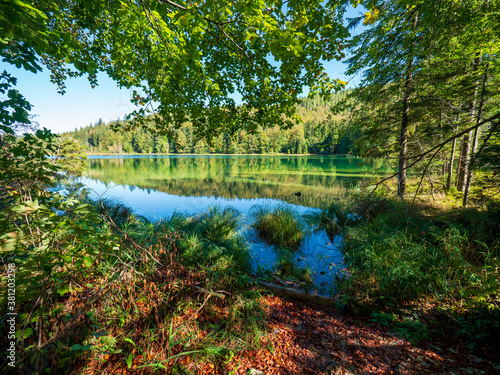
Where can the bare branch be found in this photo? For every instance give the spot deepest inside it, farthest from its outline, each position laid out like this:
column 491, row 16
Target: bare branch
column 490, row 119
column 438, row 147
column 173, row 4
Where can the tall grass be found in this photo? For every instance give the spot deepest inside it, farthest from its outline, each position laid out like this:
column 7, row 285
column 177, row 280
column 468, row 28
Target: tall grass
column 331, row 219
column 403, row 256
column 449, row 257
column 279, row 226
column 146, row 297
column 218, row 224
column 210, row 241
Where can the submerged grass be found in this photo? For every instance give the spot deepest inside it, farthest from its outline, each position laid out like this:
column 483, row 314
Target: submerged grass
column 332, row 219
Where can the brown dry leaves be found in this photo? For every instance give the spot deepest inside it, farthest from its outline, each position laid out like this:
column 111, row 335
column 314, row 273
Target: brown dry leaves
column 312, row 340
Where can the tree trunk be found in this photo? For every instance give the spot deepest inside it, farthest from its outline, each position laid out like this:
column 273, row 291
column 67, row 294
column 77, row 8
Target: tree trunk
column 465, row 151
column 299, row 295
column 465, row 201
column 463, row 161
column 405, row 120
column 403, row 140
column 450, row 165
column 452, row 158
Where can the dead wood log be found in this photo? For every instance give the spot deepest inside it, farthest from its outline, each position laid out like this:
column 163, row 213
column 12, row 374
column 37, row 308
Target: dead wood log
column 299, row 295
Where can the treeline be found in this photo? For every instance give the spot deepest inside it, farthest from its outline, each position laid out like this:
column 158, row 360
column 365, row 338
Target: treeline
column 319, row 132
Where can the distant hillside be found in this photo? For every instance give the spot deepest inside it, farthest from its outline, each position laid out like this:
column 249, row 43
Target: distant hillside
column 319, row 132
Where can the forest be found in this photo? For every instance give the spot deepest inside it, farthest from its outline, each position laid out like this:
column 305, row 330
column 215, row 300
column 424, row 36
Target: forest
column 318, row 131
column 91, row 287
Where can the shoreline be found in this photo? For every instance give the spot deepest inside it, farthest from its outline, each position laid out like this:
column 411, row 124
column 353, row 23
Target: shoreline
column 210, row 154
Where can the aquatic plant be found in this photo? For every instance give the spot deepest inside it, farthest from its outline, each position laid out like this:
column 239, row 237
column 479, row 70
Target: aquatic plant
column 281, row 226
column 331, row 219
column 211, row 241
column 218, row 224
column 286, row 266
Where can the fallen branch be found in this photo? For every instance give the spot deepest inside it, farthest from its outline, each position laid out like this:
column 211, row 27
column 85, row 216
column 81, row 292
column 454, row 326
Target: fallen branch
column 210, row 293
column 280, row 281
column 298, row 295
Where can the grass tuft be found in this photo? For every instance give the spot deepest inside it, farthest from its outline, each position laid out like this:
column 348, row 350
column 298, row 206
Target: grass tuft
column 281, row 226
column 331, row 219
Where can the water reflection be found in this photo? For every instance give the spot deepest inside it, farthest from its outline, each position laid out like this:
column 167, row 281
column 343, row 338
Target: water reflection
column 157, row 186
column 319, row 179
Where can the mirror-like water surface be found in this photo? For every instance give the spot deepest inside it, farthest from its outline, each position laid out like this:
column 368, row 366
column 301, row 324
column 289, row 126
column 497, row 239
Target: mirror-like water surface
column 156, row 186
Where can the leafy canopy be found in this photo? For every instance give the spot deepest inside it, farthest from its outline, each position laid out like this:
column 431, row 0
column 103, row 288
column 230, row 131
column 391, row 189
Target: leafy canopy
column 185, row 60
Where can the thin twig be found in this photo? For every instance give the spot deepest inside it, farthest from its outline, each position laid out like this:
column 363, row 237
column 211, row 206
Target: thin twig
column 423, row 174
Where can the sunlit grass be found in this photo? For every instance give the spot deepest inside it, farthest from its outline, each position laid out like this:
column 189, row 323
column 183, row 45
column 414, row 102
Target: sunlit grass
column 402, row 255
column 279, row 226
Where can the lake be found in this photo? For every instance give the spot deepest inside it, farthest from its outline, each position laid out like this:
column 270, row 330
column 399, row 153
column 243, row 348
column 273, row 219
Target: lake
column 156, row 186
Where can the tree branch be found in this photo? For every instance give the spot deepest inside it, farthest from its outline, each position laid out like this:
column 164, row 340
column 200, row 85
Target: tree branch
column 217, row 24
column 490, row 119
column 419, row 157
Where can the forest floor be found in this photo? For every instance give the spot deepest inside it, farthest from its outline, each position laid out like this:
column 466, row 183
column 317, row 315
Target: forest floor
column 308, row 339
column 303, row 338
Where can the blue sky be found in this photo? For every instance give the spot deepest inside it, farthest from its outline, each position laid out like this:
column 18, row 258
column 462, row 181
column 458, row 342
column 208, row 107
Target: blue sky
column 81, row 105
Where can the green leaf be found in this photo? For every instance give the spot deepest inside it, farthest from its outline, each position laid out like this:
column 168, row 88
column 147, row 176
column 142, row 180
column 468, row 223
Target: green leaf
column 128, row 360
column 63, row 290
column 26, row 333
column 87, row 262
column 126, row 339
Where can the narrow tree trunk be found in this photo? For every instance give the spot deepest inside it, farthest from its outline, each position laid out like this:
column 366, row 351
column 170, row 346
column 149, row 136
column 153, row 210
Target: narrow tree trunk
column 463, row 161
column 465, row 151
column 450, row 165
column 405, row 120
column 465, row 201
column 403, row 140
column 452, row 157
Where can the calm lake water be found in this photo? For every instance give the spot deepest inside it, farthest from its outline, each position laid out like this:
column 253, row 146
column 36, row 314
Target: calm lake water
column 156, row 186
